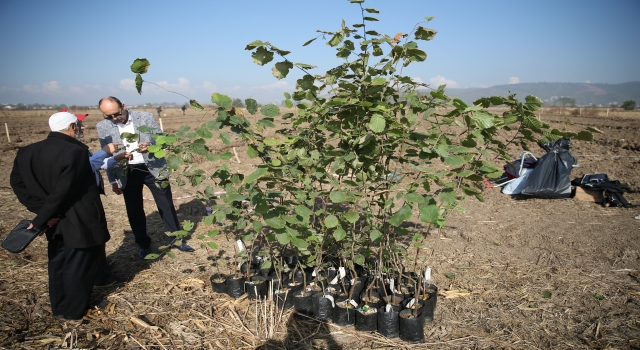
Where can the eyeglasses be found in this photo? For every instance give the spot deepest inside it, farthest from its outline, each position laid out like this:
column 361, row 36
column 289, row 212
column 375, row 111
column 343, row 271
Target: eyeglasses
column 117, row 115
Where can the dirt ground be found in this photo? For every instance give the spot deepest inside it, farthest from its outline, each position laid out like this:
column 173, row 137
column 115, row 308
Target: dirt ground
column 522, row 274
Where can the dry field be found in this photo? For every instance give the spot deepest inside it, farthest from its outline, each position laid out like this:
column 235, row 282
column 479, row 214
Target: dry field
column 529, row 274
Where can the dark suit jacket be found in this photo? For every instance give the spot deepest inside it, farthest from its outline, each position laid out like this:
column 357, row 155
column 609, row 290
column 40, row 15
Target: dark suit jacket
column 53, row 178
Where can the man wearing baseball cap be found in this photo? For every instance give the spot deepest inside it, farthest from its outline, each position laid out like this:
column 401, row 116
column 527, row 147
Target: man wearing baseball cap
column 53, row 179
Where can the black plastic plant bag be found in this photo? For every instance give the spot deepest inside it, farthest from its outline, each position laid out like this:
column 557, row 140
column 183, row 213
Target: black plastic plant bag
column 388, row 324
column 551, row 178
column 322, row 307
column 411, row 327
column 303, row 304
column 235, row 287
column 218, row 287
column 366, row 322
column 344, row 314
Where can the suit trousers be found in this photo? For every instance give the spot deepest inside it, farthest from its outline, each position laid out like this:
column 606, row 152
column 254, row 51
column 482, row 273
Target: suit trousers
column 72, row 272
column 138, row 175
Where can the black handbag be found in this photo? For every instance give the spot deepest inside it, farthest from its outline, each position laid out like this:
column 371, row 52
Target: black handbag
column 19, row 238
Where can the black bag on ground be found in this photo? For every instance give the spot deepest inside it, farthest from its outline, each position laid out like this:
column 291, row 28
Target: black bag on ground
column 613, row 191
column 551, row 178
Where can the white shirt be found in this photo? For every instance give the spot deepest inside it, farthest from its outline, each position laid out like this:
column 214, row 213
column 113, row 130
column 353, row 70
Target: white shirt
column 128, row 127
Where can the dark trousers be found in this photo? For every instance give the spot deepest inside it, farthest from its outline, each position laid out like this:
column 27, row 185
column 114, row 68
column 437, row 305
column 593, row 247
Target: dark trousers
column 138, row 176
column 72, row 272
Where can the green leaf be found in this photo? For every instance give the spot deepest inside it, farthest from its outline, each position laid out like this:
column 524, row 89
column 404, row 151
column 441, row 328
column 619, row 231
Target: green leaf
column 377, row 123
column 371, row 10
column 429, row 213
column 375, row 236
column 222, row 100
column 275, row 222
column 546, row 294
column 252, row 105
column 447, row 196
column 283, row 238
column 351, row 216
column 160, row 154
column 255, row 175
column 262, row 56
column 270, row 110
column 425, row 33
column 254, row 44
column 140, row 65
column 331, row 221
column 212, row 245
column 454, row 160
column 172, row 255
column 204, row 133
column 484, row 119
column 414, row 198
column 299, row 243
column 417, row 55
column 338, row 196
column 309, row 41
column 225, row 137
column 152, row 256
column 401, row 215
column 450, row 275
column 195, row 105
column 304, row 65
column 281, row 69
column 139, row 83
column 266, row 265
column 303, row 211
column 599, row 297
column 336, row 39
column 174, row 162
column 252, row 152
column 339, row 234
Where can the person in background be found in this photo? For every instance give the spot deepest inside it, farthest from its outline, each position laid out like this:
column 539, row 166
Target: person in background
column 54, row 180
column 142, row 170
column 184, row 108
column 159, row 110
column 99, row 160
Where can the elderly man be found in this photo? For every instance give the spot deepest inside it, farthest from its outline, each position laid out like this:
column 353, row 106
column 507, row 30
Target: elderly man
column 143, row 170
column 54, row 180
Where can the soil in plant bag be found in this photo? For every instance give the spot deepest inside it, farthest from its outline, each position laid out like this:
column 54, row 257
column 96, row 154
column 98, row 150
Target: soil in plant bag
column 367, row 319
column 411, row 327
column 219, row 283
column 344, row 314
column 388, row 324
column 256, row 287
column 303, row 304
column 322, row 306
column 372, row 300
column 395, row 301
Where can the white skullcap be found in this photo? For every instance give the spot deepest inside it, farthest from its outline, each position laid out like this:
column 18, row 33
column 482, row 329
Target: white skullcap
column 61, row 120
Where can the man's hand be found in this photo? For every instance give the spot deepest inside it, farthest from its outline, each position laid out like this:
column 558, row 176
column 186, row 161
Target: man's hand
column 124, row 155
column 52, row 222
column 143, row 146
column 116, row 188
column 111, row 148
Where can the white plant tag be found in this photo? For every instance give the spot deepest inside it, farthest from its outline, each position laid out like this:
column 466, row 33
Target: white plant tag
column 388, row 308
column 411, row 303
column 353, row 303
column 427, row 275
column 314, row 273
column 327, row 296
column 392, row 286
column 334, row 280
column 342, row 272
column 240, row 245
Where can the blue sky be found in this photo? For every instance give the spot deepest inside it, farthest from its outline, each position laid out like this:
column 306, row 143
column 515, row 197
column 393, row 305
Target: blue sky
column 77, row 51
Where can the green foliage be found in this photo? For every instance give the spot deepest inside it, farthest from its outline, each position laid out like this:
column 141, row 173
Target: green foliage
column 364, row 153
column 629, row 105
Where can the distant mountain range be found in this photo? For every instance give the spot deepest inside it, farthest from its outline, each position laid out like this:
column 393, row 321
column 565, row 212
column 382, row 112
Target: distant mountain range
column 584, row 94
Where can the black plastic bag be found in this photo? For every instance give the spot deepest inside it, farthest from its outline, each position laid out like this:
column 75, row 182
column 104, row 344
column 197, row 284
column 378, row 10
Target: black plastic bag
column 388, row 324
column 551, row 178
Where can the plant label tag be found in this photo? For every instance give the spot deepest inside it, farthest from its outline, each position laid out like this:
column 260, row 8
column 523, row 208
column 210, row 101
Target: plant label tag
column 342, row 272
column 353, row 303
column 313, row 274
column 427, row 275
column 327, row 296
column 411, row 303
column 392, row 285
column 240, row 245
column 388, row 308
column 334, row 280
